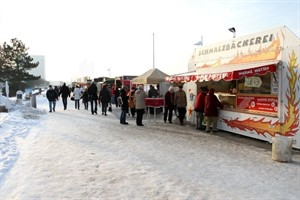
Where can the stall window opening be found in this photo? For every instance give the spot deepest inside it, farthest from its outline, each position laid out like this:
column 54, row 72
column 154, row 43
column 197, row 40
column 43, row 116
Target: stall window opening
column 256, row 84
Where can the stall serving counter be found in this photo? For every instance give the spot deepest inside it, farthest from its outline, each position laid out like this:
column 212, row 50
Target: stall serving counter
column 153, row 103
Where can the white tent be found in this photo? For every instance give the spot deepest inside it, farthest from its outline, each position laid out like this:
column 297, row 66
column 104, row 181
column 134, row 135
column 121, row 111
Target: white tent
column 152, row 76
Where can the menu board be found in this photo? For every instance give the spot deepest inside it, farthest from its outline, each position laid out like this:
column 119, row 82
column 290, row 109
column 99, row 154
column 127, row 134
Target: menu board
column 266, row 104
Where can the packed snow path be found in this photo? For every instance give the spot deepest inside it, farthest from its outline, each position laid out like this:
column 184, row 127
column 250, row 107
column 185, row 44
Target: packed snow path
column 72, row 154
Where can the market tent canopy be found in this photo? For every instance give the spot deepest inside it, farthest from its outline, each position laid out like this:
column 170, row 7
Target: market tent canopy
column 227, row 72
column 152, row 76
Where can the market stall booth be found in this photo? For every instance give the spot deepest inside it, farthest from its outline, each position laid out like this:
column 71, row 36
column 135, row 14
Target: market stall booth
column 256, row 77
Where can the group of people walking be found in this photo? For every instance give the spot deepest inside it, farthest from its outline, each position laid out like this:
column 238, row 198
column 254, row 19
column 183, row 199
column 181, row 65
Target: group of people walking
column 53, row 93
column 88, row 96
column 133, row 102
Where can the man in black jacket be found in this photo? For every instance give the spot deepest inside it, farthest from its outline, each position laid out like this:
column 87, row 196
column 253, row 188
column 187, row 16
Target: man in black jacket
column 52, row 96
column 92, row 95
column 65, row 93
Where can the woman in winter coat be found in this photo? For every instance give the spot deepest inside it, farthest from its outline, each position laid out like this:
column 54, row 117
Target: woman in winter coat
column 139, row 99
column 212, row 104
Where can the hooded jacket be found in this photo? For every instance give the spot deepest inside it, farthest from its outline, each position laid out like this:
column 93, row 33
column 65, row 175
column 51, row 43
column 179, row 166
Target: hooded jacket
column 139, row 98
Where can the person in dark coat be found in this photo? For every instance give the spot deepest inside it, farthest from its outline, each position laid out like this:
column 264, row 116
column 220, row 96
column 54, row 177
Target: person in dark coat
column 211, row 106
column 124, row 106
column 65, row 93
column 92, row 95
column 199, row 108
column 52, row 96
column 116, row 95
column 85, row 99
column 169, row 105
column 104, row 98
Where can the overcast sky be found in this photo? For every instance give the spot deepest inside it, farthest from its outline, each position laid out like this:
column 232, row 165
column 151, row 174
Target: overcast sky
column 86, row 38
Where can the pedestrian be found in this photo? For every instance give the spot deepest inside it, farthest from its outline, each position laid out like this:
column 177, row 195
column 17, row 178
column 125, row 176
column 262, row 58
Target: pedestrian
column 140, row 105
column 104, row 98
column 117, row 93
column 212, row 104
column 199, row 108
column 152, row 93
column 52, row 96
column 77, row 96
column 169, row 105
column 85, row 99
column 131, row 102
column 56, row 90
column 180, row 102
column 92, row 96
column 65, row 93
column 123, row 102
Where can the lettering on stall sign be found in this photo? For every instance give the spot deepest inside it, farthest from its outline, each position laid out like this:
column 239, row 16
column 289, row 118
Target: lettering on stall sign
column 238, row 44
column 269, row 104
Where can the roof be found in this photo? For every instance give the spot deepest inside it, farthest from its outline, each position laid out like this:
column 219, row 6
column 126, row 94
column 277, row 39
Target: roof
column 228, row 72
column 152, row 76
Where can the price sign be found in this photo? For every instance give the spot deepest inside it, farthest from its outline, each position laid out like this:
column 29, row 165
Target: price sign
column 253, row 81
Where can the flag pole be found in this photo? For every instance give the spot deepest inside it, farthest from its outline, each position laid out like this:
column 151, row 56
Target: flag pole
column 153, row 53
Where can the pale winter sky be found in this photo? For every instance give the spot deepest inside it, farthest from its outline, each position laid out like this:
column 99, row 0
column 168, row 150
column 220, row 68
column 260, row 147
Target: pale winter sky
column 86, row 38
column 72, row 154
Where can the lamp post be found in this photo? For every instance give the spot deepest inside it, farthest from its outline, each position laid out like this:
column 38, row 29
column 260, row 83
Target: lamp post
column 108, row 72
column 232, row 30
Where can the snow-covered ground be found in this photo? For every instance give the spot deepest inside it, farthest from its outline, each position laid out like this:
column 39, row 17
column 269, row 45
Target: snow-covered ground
column 71, row 154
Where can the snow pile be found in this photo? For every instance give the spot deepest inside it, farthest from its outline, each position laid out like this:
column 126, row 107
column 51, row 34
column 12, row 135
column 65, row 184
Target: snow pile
column 13, row 125
column 6, row 102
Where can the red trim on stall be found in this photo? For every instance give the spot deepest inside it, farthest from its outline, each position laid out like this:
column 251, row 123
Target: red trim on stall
column 227, row 73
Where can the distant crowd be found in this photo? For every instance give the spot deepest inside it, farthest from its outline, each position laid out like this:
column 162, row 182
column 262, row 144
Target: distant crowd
column 132, row 102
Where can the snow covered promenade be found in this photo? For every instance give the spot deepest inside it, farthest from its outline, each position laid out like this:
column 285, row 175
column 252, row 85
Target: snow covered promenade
column 71, row 154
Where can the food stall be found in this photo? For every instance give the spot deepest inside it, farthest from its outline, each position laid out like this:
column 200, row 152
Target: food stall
column 256, row 77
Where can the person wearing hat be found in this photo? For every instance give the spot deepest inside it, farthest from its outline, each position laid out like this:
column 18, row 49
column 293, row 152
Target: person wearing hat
column 180, row 102
column 52, row 96
column 199, row 107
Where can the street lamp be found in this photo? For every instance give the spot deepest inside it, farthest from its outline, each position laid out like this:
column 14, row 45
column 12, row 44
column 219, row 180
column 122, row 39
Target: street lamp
column 232, row 30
